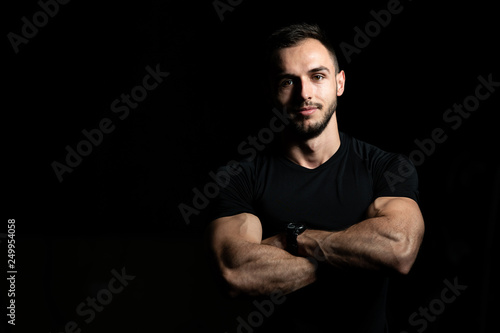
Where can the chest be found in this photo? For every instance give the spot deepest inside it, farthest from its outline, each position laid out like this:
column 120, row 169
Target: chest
column 331, row 199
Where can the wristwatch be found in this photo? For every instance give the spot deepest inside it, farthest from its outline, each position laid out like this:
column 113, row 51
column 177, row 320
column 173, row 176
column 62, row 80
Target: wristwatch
column 292, row 231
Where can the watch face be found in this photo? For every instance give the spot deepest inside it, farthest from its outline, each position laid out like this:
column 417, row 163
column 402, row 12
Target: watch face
column 295, row 228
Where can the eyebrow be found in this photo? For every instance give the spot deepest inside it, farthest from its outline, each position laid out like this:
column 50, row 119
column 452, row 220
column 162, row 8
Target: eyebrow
column 317, row 69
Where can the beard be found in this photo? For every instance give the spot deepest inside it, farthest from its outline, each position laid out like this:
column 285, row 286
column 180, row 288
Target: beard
column 301, row 131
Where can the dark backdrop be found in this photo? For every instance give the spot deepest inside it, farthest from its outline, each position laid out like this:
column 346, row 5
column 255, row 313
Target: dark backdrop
column 119, row 207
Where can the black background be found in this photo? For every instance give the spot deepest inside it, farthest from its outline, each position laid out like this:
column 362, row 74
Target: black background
column 119, row 207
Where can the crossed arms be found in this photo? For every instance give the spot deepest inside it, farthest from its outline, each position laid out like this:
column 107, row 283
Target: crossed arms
column 388, row 239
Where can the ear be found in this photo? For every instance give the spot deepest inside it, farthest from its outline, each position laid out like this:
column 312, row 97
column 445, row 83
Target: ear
column 340, row 78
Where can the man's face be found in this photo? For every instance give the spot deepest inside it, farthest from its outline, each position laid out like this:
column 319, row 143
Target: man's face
column 305, row 85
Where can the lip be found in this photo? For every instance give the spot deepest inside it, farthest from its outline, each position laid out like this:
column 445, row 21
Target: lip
column 307, row 111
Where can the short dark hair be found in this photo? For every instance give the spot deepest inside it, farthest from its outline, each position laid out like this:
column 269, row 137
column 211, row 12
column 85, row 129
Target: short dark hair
column 291, row 35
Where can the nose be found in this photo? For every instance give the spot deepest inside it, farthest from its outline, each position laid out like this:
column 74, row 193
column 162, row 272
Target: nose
column 306, row 89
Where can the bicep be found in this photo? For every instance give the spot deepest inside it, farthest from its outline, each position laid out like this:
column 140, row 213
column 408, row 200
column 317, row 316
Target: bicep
column 393, row 206
column 402, row 213
column 230, row 235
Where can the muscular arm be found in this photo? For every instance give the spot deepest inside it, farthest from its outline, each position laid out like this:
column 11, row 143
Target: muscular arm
column 251, row 267
column 388, row 239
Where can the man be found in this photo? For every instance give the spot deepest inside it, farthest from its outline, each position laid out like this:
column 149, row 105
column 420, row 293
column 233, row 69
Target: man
column 322, row 218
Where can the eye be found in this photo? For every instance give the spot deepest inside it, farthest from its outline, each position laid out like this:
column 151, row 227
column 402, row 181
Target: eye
column 318, row 77
column 286, row 83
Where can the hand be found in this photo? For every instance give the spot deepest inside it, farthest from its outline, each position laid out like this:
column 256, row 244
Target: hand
column 278, row 241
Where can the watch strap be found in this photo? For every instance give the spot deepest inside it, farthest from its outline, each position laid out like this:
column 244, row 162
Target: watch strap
column 292, row 231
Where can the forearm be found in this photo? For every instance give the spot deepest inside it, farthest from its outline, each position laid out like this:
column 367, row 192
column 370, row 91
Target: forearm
column 363, row 245
column 252, row 266
column 388, row 239
column 262, row 269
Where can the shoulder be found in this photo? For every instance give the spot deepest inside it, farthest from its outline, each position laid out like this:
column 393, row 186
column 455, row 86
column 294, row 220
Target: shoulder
column 364, row 150
column 247, row 168
column 379, row 161
column 372, row 155
column 394, row 175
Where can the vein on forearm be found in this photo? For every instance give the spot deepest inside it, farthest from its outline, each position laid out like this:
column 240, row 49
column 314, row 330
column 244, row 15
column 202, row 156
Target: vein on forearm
column 261, row 269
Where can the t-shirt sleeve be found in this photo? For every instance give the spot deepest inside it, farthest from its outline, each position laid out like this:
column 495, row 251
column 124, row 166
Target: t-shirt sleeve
column 395, row 176
column 236, row 194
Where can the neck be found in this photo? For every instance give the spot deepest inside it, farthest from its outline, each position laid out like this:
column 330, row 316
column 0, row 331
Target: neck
column 316, row 151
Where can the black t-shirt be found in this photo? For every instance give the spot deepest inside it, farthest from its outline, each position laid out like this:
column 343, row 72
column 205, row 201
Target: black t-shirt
column 333, row 196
